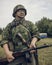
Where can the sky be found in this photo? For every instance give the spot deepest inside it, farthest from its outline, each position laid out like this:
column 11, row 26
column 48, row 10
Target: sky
column 36, row 9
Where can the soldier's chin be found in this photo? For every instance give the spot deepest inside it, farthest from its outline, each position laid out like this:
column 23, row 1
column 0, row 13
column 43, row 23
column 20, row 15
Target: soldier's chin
column 21, row 16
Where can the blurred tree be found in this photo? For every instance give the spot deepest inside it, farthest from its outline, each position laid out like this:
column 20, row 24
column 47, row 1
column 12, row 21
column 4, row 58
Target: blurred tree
column 44, row 25
column 1, row 30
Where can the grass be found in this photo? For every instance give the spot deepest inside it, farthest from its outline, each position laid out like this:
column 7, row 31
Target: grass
column 44, row 55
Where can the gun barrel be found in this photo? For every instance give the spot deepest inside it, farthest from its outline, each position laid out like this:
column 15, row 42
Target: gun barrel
column 27, row 50
column 40, row 47
column 43, row 46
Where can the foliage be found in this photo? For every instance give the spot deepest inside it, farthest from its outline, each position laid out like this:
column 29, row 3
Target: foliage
column 45, row 25
column 50, row 29
column 1, row 30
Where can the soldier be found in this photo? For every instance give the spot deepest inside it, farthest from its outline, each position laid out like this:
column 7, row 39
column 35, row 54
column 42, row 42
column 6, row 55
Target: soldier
column 19, row 27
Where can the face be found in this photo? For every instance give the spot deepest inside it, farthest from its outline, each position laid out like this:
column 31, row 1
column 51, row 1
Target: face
column 20, row 13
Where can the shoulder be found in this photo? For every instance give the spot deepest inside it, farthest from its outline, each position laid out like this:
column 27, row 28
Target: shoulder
column 9, row 25
column 29, row 22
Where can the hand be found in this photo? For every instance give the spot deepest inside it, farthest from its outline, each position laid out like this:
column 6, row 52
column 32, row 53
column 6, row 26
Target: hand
column 9, row 56
column 32, row 46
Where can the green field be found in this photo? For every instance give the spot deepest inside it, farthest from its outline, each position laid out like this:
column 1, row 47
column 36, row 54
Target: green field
column 44, row 55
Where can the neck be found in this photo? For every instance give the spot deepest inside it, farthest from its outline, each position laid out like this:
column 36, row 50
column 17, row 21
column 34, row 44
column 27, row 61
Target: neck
column 17, row 18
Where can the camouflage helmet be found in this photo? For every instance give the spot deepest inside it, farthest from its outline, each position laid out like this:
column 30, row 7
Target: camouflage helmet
column 18, row 7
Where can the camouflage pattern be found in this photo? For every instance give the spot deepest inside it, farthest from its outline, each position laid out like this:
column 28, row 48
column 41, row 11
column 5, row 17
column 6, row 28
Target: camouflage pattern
column 26, row 28
column 18, row 7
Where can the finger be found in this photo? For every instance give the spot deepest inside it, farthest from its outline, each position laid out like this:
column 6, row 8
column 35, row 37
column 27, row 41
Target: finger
column 34, row 46
column 31, row 46
column 13, row 57
column 9, row 60
column 33, row 51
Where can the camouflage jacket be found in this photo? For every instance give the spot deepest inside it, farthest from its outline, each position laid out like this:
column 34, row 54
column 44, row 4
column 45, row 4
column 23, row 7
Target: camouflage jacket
column 26, row 28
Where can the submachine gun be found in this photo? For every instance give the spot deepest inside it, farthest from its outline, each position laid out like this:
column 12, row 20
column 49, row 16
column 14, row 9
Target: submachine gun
column 18, row 53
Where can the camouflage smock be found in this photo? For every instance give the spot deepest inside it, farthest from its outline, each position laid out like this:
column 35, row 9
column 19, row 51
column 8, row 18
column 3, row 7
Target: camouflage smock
column 26, row 28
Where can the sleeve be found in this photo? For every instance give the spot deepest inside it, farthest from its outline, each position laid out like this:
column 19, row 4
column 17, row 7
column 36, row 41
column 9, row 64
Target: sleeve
column 34, row 31
column 5, row 35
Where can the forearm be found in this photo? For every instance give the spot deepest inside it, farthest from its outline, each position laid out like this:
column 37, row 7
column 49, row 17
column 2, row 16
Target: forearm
column 34, row 40
column 33, row 45
column 8, row 53
column 6, row 49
